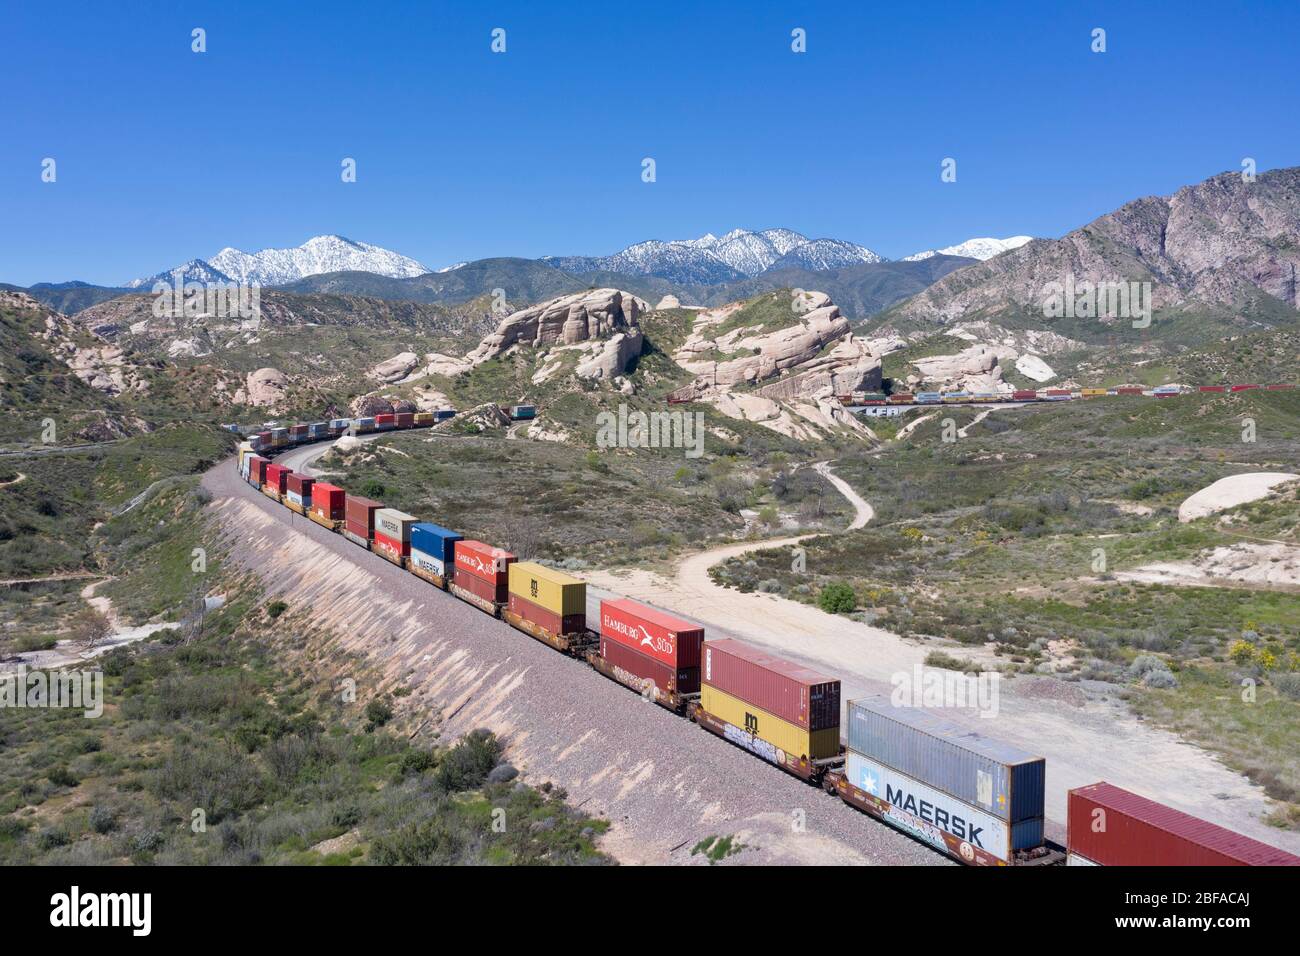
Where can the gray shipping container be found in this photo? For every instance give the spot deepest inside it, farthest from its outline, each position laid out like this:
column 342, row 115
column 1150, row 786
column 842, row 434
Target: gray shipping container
column 1004, row 780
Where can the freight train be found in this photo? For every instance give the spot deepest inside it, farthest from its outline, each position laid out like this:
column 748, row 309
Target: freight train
column 973, row 798
column 1022, row 395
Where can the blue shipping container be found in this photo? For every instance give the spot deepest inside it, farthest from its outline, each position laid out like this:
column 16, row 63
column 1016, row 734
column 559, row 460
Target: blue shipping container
column 433, row 540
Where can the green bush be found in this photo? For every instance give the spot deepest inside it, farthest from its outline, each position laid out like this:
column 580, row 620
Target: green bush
column 378, row 713
column 275, row 609
column 837, row 598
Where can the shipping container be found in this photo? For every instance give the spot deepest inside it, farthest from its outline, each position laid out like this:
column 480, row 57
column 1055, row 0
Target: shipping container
column 1279, row 388
column 339, row 424
column 950, row 825
column 276, row 478
column 300, row 485
column 753, row 721
column 433, row 547
column 423, row 418
column 662, row 636
column 327, row 501
column 404, row 419
column 1024, row 395
column 631, row 667
column 443, row 414
column 485, row 594
column 902, row 397
column 1243, row 388
column 485, row 562
column 318, row 430
column 359, row 514
column 523, row 412
column 391, row 548
column 298, row 432
column 1113, row 827
column 543, row 623
column 1092, row 392
column 394, row 524
column 804, row 697
column 928, row 398
column 364, row 425
column 257, row 470
column 386, row 420
column 559, row 593
column 1214, row 388
column 996, row 777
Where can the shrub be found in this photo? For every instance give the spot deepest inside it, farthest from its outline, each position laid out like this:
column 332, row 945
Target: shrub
column 1288, row 685
column 378, row 713
column 468, row 763
column 103, row 819
column 62, row 777
column 837, row 598
column 770, row 586
column 275, row 609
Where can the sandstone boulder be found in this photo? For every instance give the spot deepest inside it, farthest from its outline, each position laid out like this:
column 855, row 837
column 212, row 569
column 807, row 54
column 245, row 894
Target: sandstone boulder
column 368, row 406
column 396, row 368
column 264, row 387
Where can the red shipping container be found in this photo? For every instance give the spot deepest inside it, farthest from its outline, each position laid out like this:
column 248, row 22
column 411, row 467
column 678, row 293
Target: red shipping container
column 277, row 477
column 297, row 430
column 404, row 419
column 327, row 500
column 1278, row 388
column 358, row 528
column 484, row 561
column 784, row 689
column 679, row 680
column 1214, row 388
column 300, row 484
column 1128, row 390
column 1243, row 388
column 391, row 546
column 257, row 469
column 388, row 418
column 555, row 623
column 665, row 638
column 1024, row 395
column 361, row 513
column 1114, row 827
column 478, row 586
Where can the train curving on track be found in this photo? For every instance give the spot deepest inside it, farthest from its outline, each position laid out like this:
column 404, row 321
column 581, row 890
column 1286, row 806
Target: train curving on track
column 971, row 797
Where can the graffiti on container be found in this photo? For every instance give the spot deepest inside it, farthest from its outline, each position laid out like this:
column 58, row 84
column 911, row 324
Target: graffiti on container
column 753, row 744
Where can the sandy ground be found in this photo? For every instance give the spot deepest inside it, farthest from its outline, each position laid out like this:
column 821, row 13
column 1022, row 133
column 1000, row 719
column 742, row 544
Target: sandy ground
column 1086, row 736
column 1260, row 564
column 913, row 425
column 70, row 653
column 1230, row 492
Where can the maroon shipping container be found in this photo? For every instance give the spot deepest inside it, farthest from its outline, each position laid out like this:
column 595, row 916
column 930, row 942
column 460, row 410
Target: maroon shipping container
column 1114, row 827
column 257, row 469
column 672, row 680
column 555, row 623
column 404, row 419
column 1128, row 390
column 667, row 639
column 297, row 431
column 1214, row 388
column 299, row 484
column 477, row 586
column 486, row 562
column 1024, row 395
column 784, row 689
column 360, row 514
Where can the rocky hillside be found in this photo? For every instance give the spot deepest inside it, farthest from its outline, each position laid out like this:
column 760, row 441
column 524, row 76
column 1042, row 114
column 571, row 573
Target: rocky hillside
column 1224, row 247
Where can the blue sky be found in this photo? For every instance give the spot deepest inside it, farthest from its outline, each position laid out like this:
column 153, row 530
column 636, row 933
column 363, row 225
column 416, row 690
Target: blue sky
column 163, row 154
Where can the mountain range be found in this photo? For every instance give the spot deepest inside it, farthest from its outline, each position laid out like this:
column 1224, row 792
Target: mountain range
column 276, row 267
column 982, row 248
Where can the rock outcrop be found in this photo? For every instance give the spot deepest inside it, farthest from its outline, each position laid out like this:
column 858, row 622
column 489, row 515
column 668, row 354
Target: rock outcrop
column 396, row 368
column 368, row 406
column 264, row 387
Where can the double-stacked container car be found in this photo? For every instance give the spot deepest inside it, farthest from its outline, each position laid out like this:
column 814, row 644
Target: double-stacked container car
column 275, row 481
column 547, row 604
column 432, row 553
column 297, row 492
column 787, row 714
column 359, row 519
column 481, row 575
column 972, row 797
column 391, row 538
column 1108, row 826
column 649, row 651
column 328, row 504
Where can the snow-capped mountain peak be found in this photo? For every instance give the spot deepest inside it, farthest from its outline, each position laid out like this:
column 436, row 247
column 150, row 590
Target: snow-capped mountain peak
column 740, row 253
column 320, row 254
column 983, row 247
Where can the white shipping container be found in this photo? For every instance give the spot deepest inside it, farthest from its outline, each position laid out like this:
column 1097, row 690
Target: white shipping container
column 925, row 812
column 394, row 524
column 294, row 497
column 427, row 562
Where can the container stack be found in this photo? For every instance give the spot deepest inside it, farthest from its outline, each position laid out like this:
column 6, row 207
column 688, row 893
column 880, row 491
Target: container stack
column 432, row 551
column 550, row 599
column 967, row 794
column 789, row 707
column 359, row 519
column 392, row 533
column 482, row 570
column 327, row 501
column 650, row 645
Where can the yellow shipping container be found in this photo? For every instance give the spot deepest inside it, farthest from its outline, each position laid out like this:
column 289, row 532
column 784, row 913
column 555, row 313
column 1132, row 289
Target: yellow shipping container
column 792, row 739
column 1091, row 392
column 553, row 590
column 423, row 418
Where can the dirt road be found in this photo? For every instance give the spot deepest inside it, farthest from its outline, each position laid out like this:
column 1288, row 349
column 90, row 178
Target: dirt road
column 1086, row 736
